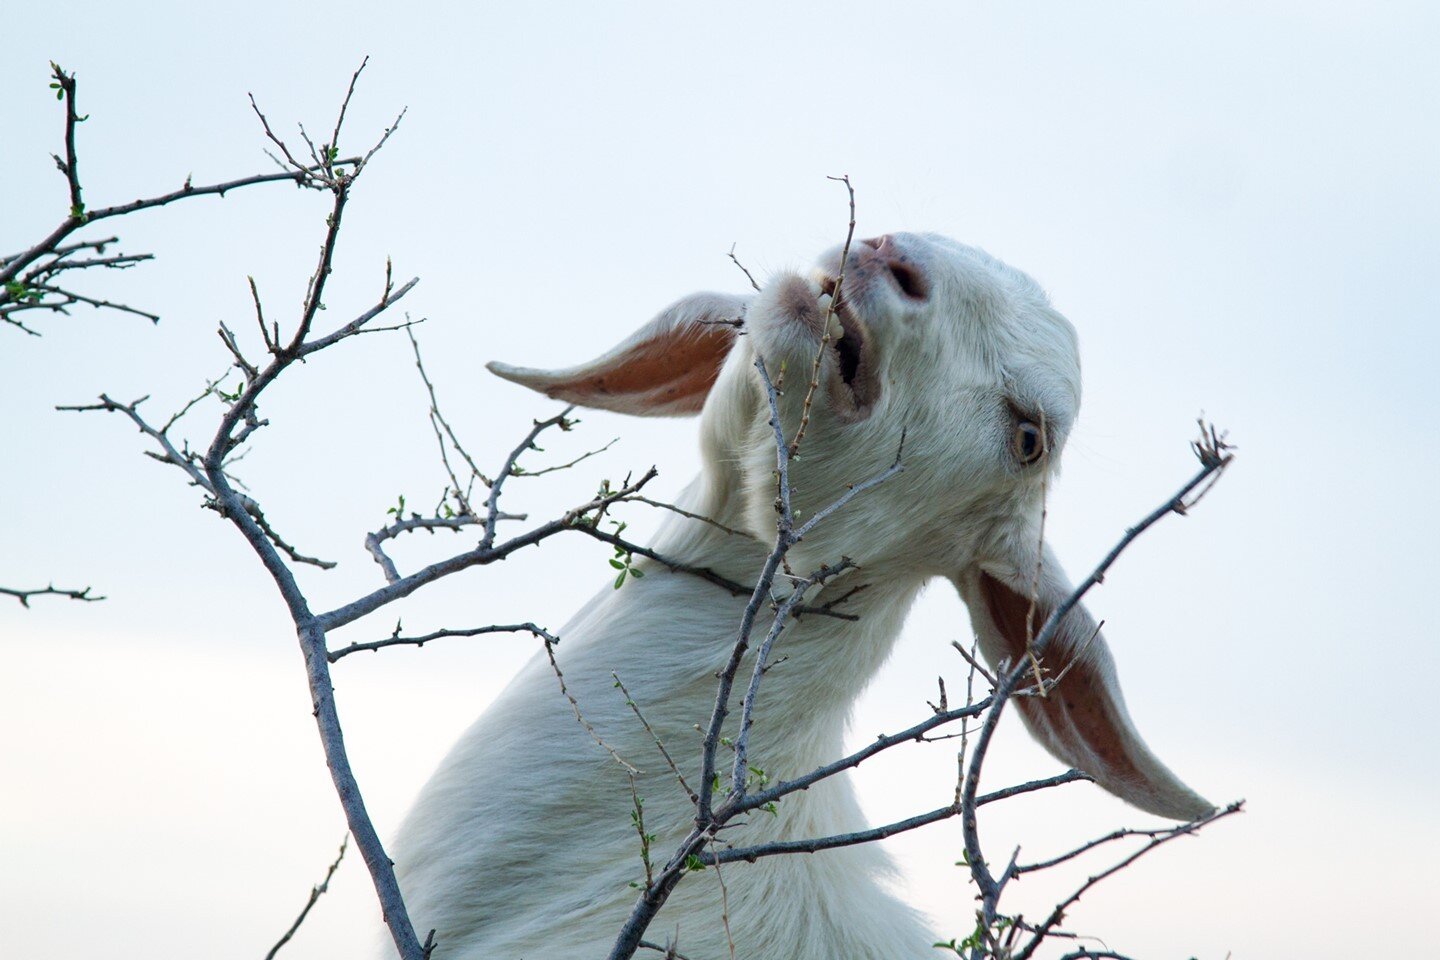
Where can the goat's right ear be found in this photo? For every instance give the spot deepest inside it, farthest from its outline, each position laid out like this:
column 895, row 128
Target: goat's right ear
column 1082, row 721
column 664, row 369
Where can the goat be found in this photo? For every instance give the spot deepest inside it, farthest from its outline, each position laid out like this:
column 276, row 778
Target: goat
column 521, row 845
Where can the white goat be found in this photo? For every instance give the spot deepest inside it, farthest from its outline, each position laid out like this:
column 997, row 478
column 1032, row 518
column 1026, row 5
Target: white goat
column 521, row 845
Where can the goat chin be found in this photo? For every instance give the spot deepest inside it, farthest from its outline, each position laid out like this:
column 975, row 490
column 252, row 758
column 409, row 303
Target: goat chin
column 522, row 844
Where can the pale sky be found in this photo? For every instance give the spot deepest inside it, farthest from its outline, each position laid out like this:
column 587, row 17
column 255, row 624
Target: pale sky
column 1238, row 209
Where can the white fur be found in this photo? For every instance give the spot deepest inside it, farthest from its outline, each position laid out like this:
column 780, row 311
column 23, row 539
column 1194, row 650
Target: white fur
column 521, row 845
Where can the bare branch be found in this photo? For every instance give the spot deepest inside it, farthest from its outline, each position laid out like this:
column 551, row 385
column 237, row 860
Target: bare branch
column 662, row 505
column 479, row 556
column 316, row 892
column 1185, row 829
column 492, row 503
column 443, row 431
column 748, row 276
column 850, row 761
column 834, row 303
column 975, row 664
column 69, row 166
column 853, row 491
column 395, row 640
column 738, row 775
column 1013, row 674
column 659, row 744
column 24, row 595
column 669, row 951
column 519, row 472
column 333, row 147
column 580, row 717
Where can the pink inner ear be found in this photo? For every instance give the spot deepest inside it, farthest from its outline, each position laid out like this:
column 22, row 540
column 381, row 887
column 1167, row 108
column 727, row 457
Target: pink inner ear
column 664, row 369
column 1076, row 721
column 1083, row 720
column 673, row 372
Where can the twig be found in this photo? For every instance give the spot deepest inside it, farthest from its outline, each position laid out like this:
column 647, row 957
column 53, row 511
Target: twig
column 333, row 147
column 738, row 775
column 659, row 744
column 24, row 595
column 852, row 760
column 480, row 556
column 575, row 706
column 975, row 664
column 1058, row 913
column 395, row 640
column 442, row 430
column 748, row 276
column 316, row 892
column 725, row 909
column 662, row 505
column 830, row 307
column 1039, row 566
column 566, row 466
column 70, row 165
column 756, row 852
column 492, row 503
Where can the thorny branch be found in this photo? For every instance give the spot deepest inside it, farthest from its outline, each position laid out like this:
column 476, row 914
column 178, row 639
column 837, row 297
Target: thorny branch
column 709, row 818
column 395, row 640
column 209, row 471
column 837, row 292
column 1214, row 456
column 24, row 595
column 1162, row 837
column 27, row 278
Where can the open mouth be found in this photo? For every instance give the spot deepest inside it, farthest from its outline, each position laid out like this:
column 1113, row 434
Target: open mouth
column 852, row 378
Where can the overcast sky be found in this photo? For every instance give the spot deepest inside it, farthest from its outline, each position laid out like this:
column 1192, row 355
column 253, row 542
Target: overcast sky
column 1239, row 210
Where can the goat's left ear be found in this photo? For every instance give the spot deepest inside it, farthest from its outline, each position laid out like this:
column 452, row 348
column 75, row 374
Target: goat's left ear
column 664, row 369
column 1082, row 721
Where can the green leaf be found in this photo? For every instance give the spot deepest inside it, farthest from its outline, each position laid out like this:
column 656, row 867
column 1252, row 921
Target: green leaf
column 693, row 863
column 636, row 572
column 620, row 580
column 617, row 564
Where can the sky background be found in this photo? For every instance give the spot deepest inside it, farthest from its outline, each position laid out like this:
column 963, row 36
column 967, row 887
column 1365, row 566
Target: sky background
column 1238, row 208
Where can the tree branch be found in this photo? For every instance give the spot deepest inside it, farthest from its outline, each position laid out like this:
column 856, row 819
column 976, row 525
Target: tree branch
column 316, row 892
column 395, row 640
column 24, row 595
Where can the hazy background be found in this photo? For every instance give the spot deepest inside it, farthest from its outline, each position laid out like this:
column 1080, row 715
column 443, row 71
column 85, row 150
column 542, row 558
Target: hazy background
column 1238, row 209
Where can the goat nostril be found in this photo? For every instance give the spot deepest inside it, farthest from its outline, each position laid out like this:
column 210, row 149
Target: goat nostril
column 909, row 280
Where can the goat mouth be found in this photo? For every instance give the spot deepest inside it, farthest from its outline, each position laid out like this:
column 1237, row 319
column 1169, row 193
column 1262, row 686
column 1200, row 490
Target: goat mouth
column 852, row 379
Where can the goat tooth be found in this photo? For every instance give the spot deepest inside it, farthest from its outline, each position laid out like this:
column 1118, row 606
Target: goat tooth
column 836, row 329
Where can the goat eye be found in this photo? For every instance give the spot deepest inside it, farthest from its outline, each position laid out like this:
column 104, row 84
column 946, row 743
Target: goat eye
column 1028, row 442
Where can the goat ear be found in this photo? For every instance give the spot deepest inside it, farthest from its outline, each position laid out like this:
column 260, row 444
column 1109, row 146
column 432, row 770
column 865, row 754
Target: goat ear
column 1082, row 721
column 664, row 369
